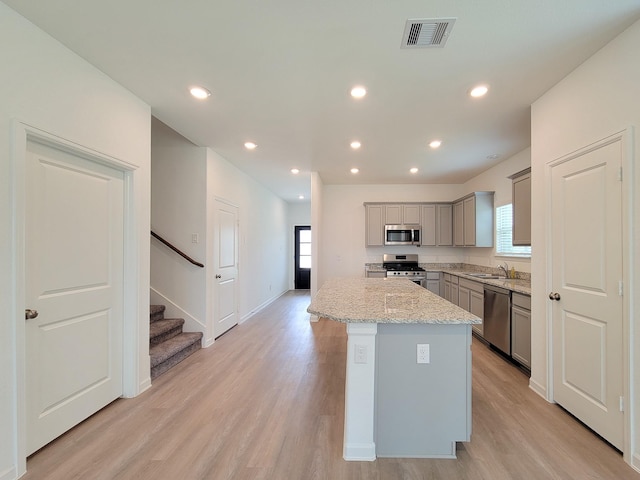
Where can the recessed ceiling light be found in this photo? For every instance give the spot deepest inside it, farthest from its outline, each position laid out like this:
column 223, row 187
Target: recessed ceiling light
column 355, row 144
column 414, row 170
column 200, row 92
column 493, row 156
column 355, row 170
column 479, row 91
column 358, row 91
column 435, row 143
column 295, row 171
column 250, row 145
column 301, row 197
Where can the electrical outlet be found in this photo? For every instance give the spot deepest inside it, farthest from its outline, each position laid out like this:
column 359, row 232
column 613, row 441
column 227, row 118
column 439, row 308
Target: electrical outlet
column 423, row 353
column 194, row 238
column 360, row 354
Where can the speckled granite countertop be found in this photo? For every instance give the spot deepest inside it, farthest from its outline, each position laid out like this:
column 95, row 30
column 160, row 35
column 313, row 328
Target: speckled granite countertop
column 378, row 300
column 520, row 285
column 515, row 285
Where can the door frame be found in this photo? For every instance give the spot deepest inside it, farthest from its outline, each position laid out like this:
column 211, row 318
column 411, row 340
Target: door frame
column 132, row 383
column 625, row 137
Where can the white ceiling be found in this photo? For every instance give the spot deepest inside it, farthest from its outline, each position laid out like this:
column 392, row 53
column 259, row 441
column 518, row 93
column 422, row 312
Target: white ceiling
column 281, row 70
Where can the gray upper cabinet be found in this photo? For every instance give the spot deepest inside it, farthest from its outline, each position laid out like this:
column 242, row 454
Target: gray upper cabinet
column 402, row 214
column 429, row 226
column 444, row 230
column 458, row 223
column 473, row 220
column 521, row 190
column 374, row 225
column 436, row 225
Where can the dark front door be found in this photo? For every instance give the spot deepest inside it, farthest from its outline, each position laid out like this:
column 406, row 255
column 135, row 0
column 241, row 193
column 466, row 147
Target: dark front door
column 302, row 257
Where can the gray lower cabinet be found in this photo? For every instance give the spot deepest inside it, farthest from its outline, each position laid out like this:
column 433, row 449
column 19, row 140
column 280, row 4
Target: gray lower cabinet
column 376, row 274
column 447, row 287
column 521, row 328
column 471, row 298
column 455, row 289
column 432, row 282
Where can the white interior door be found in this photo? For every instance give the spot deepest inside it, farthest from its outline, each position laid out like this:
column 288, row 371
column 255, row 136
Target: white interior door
column 587, row 312
column 74, row 280
column 225, row 267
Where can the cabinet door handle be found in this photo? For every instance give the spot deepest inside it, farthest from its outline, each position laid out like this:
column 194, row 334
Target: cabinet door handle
column 218, row 276
column 554, row 296
column 29, row 314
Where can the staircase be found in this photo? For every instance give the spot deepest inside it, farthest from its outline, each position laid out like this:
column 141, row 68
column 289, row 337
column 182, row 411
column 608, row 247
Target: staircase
column 169, row 345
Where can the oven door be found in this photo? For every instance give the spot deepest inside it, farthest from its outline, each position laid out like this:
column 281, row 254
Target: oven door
column 401, row 235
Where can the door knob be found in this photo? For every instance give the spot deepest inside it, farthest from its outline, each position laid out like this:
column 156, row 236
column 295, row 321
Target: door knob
column 218, row 276
column 554, row 296
column 29, row 314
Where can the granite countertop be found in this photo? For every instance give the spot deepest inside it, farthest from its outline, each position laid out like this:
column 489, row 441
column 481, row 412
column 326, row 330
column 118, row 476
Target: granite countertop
column 519, row 285
column 513, row 284
column 381, row 300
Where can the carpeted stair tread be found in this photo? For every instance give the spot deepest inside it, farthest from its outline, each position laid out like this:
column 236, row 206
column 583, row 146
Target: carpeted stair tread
column 156, row 312
column 173, row 346
column 162, row 330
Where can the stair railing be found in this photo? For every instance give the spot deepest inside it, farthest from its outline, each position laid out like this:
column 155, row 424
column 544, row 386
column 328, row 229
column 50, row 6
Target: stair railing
column 182, row 254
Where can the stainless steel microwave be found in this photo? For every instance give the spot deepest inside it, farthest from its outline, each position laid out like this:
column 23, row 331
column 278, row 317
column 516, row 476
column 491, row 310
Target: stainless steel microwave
column 401, row 235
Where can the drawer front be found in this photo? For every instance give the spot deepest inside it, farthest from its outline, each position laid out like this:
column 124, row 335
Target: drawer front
column 472, row 285
column 520, row 300
column 433, row 275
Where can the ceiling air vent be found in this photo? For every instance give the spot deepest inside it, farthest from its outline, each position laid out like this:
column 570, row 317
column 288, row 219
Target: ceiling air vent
column 427, row 32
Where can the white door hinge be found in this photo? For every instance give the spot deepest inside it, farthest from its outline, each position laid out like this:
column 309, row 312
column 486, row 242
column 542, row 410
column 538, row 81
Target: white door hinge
column 620, row 174
column 621, row 288
column 621, row 403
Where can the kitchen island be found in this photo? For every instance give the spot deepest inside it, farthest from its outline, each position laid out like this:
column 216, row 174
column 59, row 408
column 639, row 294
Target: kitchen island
column 408, row 379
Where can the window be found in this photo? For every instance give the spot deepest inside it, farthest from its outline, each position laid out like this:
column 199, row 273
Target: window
column 504, row 224
column 304, row 247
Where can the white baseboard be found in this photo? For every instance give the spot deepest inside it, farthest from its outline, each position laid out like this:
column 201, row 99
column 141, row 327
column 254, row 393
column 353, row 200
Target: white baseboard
column 538, row 388
column 635, row 462
column 145, row 385
column 261, row 307
column 9, row 474
column 173, row 310
column 359, row 452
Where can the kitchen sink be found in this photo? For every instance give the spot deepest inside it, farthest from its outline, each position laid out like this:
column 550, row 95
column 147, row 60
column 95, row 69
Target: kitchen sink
column 484, row 275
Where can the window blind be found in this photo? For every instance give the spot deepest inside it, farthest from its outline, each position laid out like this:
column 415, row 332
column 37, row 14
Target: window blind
column 504, row 239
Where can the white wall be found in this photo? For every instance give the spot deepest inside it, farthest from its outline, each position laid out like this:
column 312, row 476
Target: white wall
column 263, row 258
column 50, row 88
column 178, row 210
column 299, row 214
column 599, row 98
column 497, row 179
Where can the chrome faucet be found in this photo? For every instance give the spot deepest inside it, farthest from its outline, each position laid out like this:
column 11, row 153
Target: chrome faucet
column 505, row 269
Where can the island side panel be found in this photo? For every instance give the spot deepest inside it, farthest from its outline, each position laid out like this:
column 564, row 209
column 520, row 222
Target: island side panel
column 422, row 410
column 359, row 413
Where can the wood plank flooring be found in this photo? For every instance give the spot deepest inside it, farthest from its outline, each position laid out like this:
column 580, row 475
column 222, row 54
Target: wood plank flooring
column 266, row 402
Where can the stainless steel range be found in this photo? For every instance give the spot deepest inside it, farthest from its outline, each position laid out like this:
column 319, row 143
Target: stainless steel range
column 403, row 266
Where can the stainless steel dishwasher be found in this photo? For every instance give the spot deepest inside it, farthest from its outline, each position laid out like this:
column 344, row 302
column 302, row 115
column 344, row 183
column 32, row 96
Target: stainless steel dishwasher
column 497, row 317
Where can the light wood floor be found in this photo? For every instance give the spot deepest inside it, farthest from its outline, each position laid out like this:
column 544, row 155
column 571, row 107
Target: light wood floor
column 266, row 402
